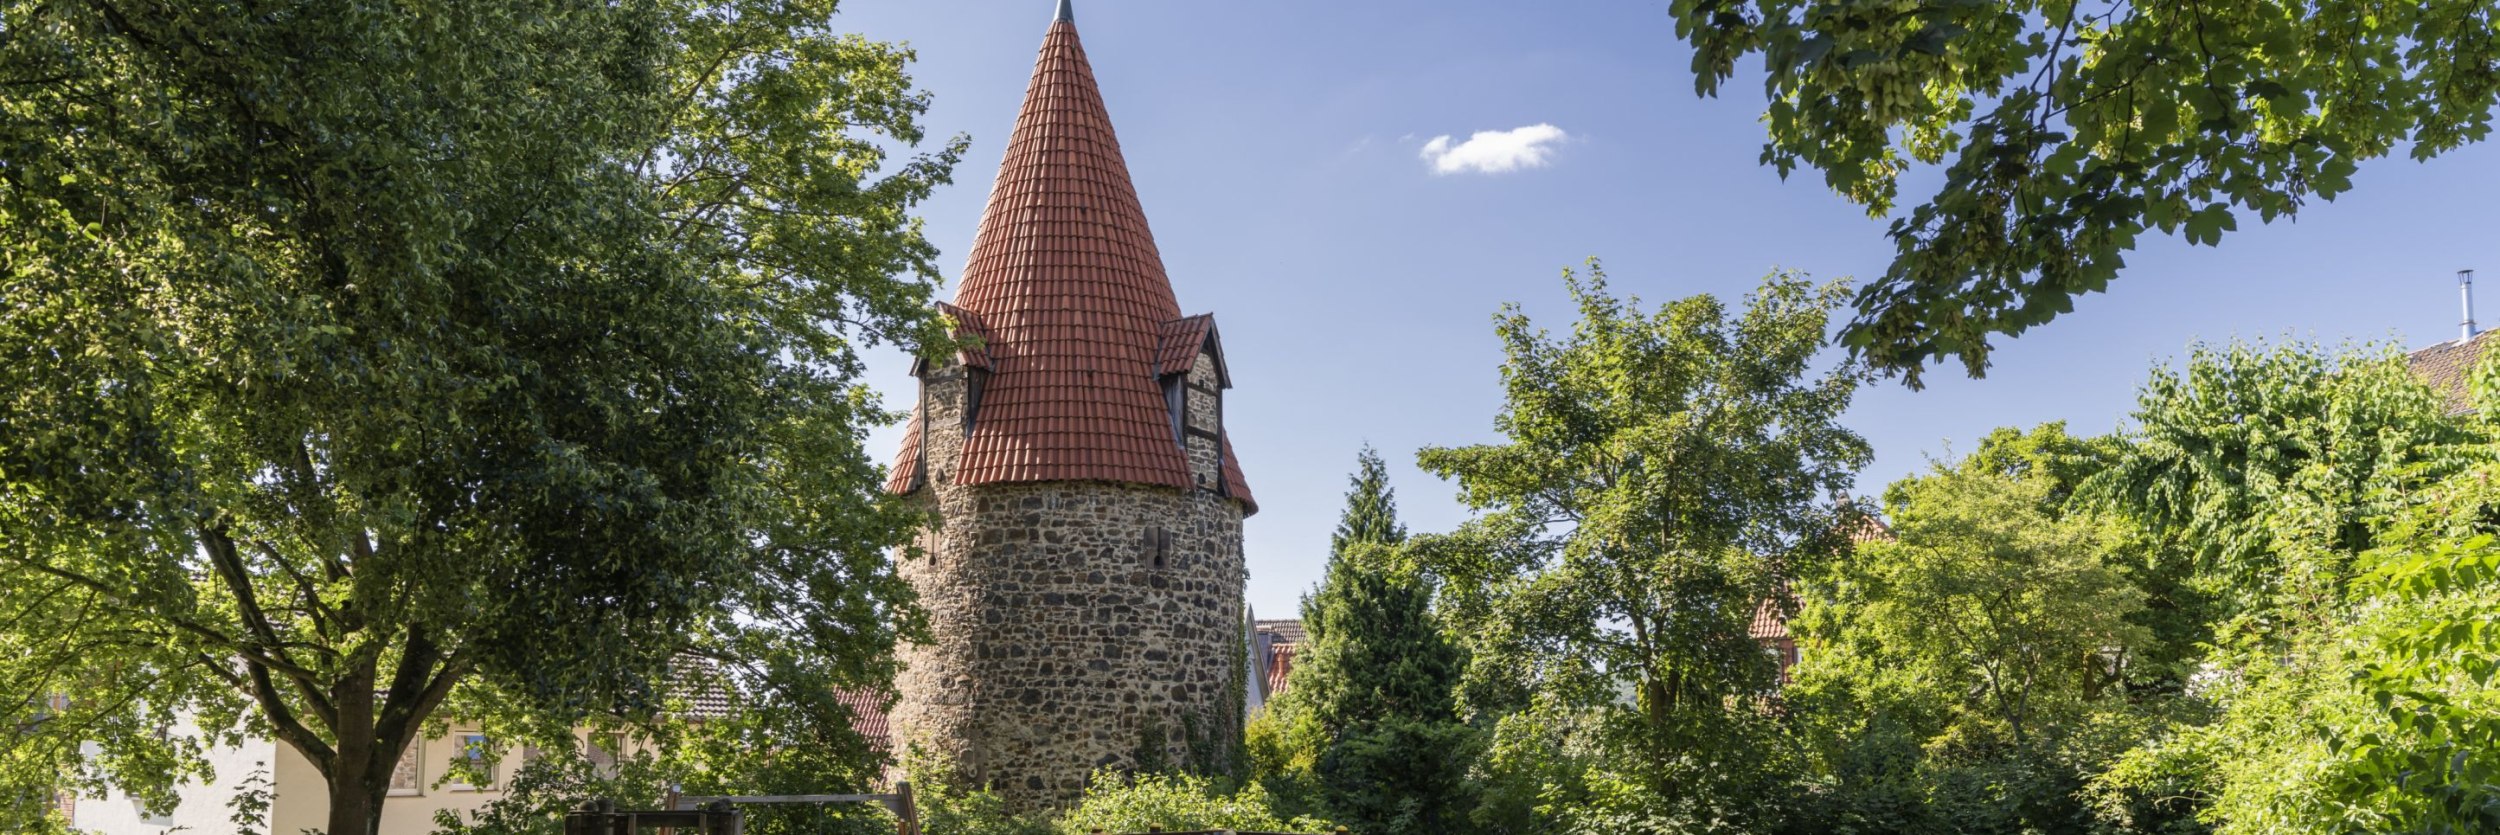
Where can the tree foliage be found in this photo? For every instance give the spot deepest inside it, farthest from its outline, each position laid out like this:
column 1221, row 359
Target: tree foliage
column 2067, row 130
column 365, row 363
column 2013, row 614
column 1972, row 671
column 1659, row 472
column 1368, row 726
column 2270, row 469
column 2380, row 720
column 2368, row 704
column 1176, row 803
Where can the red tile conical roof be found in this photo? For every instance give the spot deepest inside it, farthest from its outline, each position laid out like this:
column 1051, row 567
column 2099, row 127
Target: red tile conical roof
column 1072, row 301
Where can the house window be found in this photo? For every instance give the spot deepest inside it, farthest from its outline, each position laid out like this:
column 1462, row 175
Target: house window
column 408, row 778
column 605, row 752
column 473, row 751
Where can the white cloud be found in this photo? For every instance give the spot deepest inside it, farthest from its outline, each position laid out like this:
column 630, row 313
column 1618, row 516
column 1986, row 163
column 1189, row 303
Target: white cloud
column 1494, row 151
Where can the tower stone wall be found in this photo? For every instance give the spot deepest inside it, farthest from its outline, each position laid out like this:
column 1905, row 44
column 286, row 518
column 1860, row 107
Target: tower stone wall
column 1073, row 621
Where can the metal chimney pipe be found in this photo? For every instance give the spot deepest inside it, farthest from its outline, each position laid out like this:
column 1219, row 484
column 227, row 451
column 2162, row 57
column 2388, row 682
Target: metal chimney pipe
column 2465, row 292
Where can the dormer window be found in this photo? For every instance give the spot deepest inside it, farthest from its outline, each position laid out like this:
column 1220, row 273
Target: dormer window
column 1176, row 401
column 975, row 380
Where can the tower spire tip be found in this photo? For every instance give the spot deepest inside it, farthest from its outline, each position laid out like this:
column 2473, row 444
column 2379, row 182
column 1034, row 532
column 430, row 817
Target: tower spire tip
column 1066, row 14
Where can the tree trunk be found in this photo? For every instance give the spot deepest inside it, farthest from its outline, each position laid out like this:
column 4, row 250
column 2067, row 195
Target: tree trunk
column 358, row 778
column 355, row 799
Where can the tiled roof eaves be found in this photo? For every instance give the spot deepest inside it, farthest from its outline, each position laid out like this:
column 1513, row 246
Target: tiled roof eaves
column 1237, row 485
column 868, row 716
column 1279, row 670
column 2448, row 368
column 1770, row 618
column 1181, row 340
column 968, row 324
column 1288, row 630
column 906, row 474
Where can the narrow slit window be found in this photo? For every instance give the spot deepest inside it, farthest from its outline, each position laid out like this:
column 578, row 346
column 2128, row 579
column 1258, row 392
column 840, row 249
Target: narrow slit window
column 1176, row 401
column 975, row 380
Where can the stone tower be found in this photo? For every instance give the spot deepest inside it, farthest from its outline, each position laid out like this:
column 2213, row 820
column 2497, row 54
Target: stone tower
column 1084, row 585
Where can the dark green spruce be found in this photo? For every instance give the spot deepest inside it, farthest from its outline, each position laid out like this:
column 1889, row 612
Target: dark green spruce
column 1377, row 677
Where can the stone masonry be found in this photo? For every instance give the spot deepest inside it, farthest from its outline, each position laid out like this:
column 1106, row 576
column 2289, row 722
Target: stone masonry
column 1069, row 619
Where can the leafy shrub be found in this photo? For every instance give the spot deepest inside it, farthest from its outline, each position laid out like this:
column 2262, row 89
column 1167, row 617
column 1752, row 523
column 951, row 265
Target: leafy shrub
column 1175, row 802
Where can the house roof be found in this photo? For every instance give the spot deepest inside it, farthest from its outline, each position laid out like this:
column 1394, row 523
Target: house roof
column 868, row 716
column 1286, row 631
column 2448, row 368
column 968, row 327
column 697, row 686
column 1279, row 669
column 1770, row 618
column 703, row 693
column 1069, row 293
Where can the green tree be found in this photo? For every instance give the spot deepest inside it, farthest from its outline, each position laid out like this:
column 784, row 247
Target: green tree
column 365, row 363
column 1369, row 724
column 2380, row 720
column 1982, row 595
column 2269, row 470
column 1958, row 668
column 2066, row 130
column 1371, row 508
column 2369, row 707
column 1660, row 472
column 2177, row 607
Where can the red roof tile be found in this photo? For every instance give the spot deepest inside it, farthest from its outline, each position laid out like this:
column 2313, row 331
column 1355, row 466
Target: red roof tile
column 1279, row 669
column 906, row 475
column 1235, row 484
column 868, row 716
column 2448, row 368
column 1068, row 291
column 1286, row 631
column 968, row 324
column 1181, row 340
column 1770, row 618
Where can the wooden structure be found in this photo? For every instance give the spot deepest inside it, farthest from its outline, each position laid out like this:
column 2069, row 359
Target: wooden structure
column 601, row 817
column 720, row 815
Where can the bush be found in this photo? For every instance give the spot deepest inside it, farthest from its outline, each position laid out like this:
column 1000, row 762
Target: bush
column 946, row 809
column 1176, row 802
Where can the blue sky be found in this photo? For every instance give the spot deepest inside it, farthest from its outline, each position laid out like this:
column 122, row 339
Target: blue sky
column 1279, row 147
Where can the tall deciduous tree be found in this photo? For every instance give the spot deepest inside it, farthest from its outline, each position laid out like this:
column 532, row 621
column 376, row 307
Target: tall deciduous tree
column 359, row 359
column 1659, row 470
column 2361, row 691
column 2017, row 613
column 2069, row 129
column 2270, row 469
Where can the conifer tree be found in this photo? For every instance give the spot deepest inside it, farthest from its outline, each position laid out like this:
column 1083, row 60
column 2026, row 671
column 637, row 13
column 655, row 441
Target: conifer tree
column 1371, row 508
column 1373, row 686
